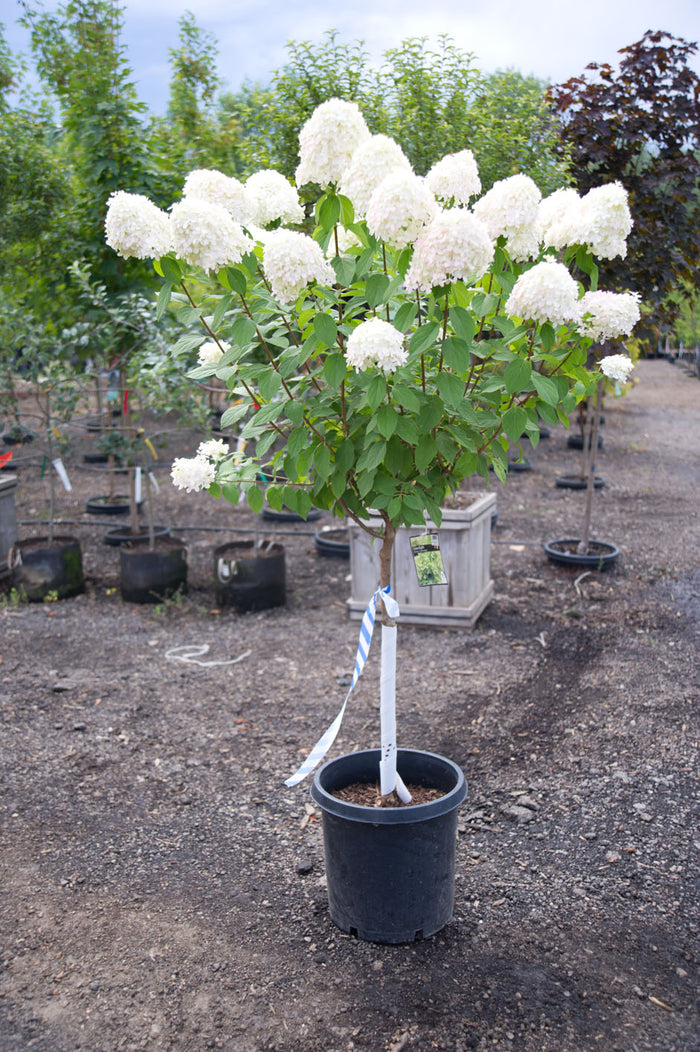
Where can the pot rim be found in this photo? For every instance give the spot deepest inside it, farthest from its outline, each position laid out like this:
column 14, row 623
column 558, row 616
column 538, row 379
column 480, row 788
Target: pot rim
column 390, row 815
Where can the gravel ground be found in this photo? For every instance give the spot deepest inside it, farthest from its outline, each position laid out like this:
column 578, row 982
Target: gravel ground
column 161, row 889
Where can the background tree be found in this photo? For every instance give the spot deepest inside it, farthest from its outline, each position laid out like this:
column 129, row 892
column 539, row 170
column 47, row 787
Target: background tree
column 640, row 124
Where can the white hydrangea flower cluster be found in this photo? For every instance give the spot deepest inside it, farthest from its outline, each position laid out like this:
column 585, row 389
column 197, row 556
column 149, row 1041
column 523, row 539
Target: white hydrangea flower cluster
column 545, row 293
column 510, row 209
column 607, row 315
column 213, row 449
column 617, row 367
column 604, row 221
column 270, row 197
column 371, row 162
column 455, row 178
column 291, row 260
column 206, row 184
column 375, row 344
column 554, row 217
column 205, row 235
column 454, row 246
column 134, row 226
column 399, row 208
column 211, row 353
column 193, row 473
column 328, row 140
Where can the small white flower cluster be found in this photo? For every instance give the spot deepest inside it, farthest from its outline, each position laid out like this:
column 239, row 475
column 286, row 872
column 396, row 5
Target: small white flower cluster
column 269, row 197
column 205, row 235
column 291, row 260
column 455, row 178
column 193, row 473
column 211, row 353
column 607, row 315
column 454, row 246
column 545, row 293
column 399, row 208
column 554, row 217
column 206, row 184
column 600, row 220
column 617, row 367
column 375, row 344
column 510, row 209
column 371, row 162
column 605, row 221
column 134, row 226
column 328, row 140
column 197, row 473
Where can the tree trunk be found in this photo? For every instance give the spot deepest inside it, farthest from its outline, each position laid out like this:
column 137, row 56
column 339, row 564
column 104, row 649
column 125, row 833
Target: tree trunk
column 591, row 440
column 390, row 780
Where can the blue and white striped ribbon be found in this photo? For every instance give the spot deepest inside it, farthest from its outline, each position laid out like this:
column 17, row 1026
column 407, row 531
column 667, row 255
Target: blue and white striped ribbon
column 366, row 629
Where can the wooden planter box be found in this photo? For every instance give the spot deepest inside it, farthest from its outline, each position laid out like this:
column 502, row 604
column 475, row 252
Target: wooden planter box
column 8, row 520
column 465, row 543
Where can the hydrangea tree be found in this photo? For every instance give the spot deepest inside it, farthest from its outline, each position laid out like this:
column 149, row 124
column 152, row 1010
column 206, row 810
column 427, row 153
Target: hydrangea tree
column 397, row 350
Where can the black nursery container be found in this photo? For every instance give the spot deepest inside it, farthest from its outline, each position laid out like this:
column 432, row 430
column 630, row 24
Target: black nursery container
column 44, row 569
column 151, row 576
column 390, row 871
column 248, row 580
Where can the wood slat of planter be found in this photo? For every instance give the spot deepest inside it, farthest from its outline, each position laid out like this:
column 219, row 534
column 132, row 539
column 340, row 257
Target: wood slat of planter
column 8, row 520
column 465, row 542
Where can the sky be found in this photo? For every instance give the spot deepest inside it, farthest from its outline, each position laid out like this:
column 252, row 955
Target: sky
column 552, row 39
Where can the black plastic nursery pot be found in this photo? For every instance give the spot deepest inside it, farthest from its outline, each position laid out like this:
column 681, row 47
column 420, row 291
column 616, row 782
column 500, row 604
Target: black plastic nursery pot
column 332, row 541
column 600, row 555
column 122, row 534
column 42, row 569
column 576, row 441
column 390, row 871
column 117, row 505
column 577, row 482
column 247, row 579
column 151, row 576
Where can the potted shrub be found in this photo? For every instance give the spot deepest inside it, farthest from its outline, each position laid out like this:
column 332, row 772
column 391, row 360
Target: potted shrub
column 378, row 363
column 585, row 551
column 51, row 564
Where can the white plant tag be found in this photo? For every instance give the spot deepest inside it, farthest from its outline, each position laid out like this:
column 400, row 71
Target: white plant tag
column 154, row 482
column 62, row 474
column 427, row 558
column 137, row 485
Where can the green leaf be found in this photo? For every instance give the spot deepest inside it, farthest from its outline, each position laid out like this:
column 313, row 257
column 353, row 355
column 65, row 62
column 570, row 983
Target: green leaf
column 406, row 397
column 463, row 323
column 269, row 383
column 345, row 455
column 234, row 279
column 322, row 461
column 403, row 319
column 546, row 388
column 517, row 376
column 430, row 414
column 547, row 335
column 425, row 453
column 387, row 418
column 451, row 388
column 424, row 337
column 256, row 499
column 230, row 492
column 171, row 270
column 456, row 354
column 328, row 211
column 163, row 299
column 376, row 390
column 326, row 329
column 514, row 421
column 372, row 457
column 242, row 331
column 344, row 267
column 335, row 369
column 376, row 288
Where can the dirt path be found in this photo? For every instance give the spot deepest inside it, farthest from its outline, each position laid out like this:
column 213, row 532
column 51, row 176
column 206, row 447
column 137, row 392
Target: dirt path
column 161, row 889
